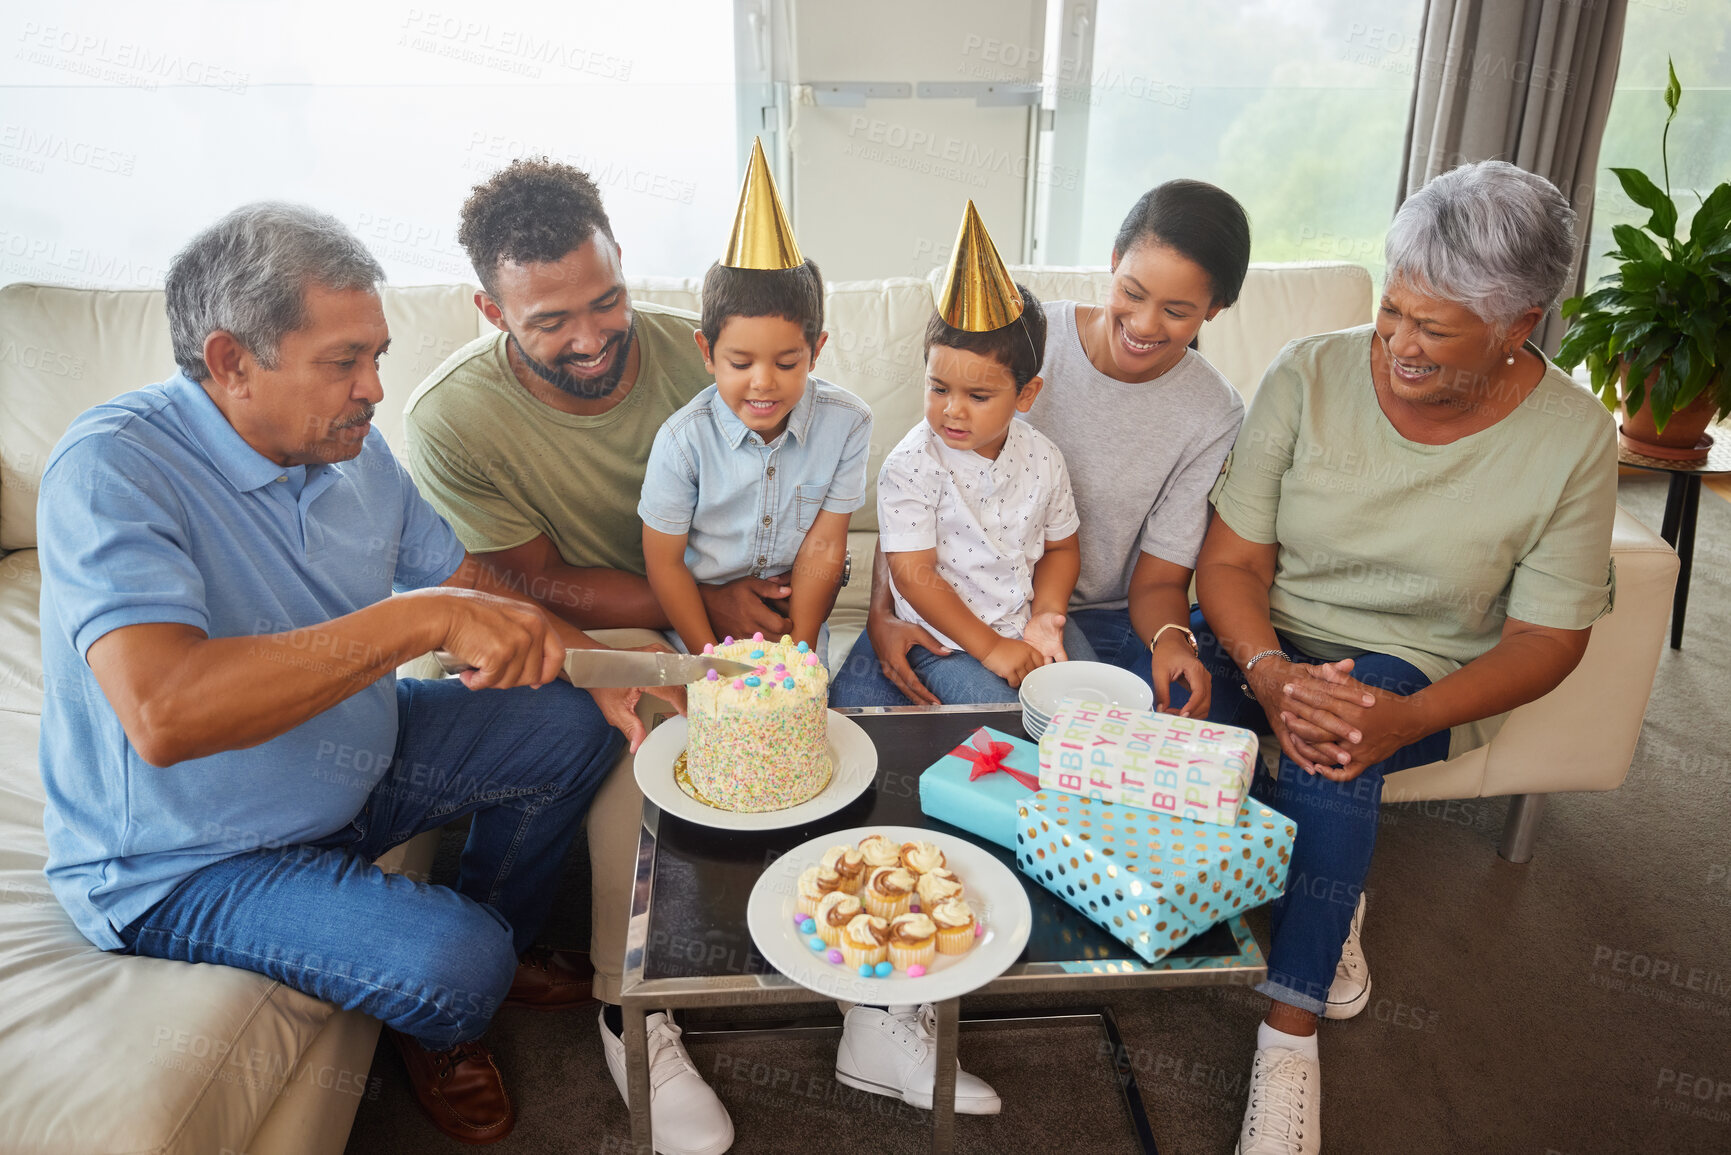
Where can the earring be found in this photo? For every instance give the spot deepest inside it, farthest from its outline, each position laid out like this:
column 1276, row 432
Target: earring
column 1510, row 359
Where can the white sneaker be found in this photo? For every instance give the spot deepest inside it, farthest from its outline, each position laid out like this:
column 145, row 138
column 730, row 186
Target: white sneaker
column 1284, row 1115
column 895, row 1053
column 1350, row 991
column 687, row 1117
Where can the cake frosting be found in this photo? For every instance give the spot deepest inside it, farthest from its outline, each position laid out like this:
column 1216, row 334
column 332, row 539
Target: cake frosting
column 760, row 742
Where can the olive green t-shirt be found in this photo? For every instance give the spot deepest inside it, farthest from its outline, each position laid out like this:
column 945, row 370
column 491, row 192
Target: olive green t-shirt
column 1420, row 551
column 504, row 467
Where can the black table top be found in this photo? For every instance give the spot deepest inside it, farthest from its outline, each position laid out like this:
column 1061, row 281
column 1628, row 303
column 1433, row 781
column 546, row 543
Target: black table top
column 704, row 876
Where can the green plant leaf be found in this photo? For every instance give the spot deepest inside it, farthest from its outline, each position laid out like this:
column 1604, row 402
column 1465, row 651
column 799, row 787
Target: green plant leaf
column 1637, row 246
column 1710, row 222
column 1641, row 189
column 1649, row 196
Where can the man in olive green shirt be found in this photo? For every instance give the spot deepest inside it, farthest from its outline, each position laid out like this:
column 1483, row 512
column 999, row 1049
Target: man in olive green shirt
column 532, row 443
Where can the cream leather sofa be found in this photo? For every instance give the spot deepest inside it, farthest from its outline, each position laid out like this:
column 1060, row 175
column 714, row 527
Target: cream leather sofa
column 105, row 1053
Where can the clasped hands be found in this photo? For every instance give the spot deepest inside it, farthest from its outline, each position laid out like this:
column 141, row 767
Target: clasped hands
column 1329, row 722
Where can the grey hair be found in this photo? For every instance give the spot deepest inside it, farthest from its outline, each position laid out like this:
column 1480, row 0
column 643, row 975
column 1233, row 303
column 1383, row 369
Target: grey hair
column 248, row 274
column 1490, row 236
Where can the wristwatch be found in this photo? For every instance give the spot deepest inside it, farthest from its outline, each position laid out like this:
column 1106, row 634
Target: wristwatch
column 1188, row 636
column 846, row 566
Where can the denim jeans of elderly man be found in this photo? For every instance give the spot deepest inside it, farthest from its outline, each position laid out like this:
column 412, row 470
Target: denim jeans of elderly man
column 430, row 961
column 1336, row 821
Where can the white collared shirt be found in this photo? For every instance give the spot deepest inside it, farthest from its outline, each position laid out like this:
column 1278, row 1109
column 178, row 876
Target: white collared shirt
column 989, row 520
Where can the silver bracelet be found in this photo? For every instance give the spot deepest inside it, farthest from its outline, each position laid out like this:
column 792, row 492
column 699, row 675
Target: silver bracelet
column 1244, row 682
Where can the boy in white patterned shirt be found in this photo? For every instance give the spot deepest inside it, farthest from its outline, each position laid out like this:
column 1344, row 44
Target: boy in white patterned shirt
column 975, row 515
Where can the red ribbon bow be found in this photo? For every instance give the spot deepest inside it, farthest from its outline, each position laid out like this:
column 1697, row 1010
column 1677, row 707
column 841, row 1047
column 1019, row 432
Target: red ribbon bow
column 988, row 758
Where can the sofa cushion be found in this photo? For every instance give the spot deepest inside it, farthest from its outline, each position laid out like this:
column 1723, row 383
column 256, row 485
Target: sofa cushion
column 63, row 350
column 20, row 637
column 196, row 1054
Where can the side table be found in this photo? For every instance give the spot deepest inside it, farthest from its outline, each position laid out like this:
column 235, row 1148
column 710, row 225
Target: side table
column 1682, row 502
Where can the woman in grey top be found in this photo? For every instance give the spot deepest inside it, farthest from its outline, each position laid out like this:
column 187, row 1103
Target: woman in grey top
column 1143, row 422
column 1412, row 538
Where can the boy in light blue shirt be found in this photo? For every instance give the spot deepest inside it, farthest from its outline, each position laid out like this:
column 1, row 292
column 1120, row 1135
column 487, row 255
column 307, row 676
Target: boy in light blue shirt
column 757, row 474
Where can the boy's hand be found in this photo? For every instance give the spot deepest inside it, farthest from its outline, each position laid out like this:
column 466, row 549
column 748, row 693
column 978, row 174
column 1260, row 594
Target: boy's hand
column 1045, row 632
column 742, row 607
column 1012, row 660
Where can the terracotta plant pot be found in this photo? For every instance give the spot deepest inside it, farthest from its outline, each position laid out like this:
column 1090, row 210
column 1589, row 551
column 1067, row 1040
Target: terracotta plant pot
column 1685, row 438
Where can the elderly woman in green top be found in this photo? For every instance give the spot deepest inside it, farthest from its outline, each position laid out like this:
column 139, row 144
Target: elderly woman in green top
column 1412, row 537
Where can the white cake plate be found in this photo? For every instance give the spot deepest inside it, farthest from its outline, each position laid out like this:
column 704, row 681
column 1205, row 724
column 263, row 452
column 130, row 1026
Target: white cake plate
column 850, row 750
column 990, row 888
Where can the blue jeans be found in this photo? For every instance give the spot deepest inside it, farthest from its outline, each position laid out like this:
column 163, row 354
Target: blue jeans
column 956, row 679
column 1336, row 822
column 430, row 961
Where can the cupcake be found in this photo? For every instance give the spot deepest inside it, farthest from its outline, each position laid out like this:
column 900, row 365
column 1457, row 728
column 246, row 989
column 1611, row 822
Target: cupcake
column 863, row 941
column 955, row 923
column 921, row 857
column 913, row 941
column 879, row 851
column 888, row 891
column 849, row 863
column 813, row 885
column 837, row 909
column 935, row 886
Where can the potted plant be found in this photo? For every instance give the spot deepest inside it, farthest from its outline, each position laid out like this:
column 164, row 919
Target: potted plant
column 1658, row 330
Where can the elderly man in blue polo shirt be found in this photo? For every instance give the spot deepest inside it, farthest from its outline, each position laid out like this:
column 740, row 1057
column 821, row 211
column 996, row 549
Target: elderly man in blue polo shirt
column 228, row 749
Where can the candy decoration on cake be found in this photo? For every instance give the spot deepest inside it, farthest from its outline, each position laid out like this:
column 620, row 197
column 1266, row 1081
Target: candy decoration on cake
column 756, row 744
column 1184, row 766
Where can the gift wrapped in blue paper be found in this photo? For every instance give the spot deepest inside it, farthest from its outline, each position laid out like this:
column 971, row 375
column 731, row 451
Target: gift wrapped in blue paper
column 980, row 783
column 1151, row 880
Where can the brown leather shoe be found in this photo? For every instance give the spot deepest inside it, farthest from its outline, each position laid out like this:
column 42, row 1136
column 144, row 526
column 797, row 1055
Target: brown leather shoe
column 551, row 980
column 461, row 1089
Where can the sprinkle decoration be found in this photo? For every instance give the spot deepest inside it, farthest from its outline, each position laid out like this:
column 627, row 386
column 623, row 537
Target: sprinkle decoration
column 759, row 742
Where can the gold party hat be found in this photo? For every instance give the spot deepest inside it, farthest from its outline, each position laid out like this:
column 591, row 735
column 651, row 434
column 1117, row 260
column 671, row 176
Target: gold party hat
column 762, row 238
column 978, row 294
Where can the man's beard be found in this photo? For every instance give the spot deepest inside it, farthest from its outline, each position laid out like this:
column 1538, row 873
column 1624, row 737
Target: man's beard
column 584, row 388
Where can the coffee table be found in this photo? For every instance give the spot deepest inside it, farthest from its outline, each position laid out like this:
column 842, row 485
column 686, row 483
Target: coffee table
column 688, row 945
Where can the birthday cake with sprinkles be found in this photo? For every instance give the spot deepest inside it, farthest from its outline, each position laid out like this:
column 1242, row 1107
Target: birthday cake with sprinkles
column 760, row 742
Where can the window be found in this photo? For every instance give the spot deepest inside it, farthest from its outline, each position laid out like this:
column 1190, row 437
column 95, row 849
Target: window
column 1696, row 35
column 128, row 126
column 1296, row 107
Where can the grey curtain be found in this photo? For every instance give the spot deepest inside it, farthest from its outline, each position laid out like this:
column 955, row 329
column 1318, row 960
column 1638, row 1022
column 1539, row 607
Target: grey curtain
column 1526, row 81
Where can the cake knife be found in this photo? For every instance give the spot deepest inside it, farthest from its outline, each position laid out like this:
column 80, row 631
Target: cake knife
column 597, row 668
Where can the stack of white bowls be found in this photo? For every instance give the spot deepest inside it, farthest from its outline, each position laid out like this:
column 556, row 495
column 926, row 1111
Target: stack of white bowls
column 1043, row 689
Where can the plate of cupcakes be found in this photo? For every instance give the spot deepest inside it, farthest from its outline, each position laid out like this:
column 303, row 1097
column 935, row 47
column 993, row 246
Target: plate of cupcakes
column 889, row 915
